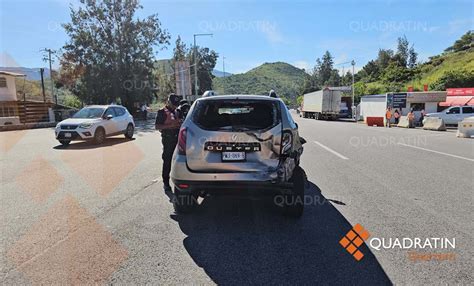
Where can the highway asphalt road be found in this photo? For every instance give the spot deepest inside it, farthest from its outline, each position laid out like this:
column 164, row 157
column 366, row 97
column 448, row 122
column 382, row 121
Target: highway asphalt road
column 97, row 214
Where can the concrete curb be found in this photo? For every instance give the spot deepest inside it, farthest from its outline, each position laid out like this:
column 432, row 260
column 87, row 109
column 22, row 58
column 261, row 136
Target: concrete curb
column 27, row 126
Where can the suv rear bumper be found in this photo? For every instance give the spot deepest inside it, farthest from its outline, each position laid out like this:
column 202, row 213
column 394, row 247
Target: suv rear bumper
column 234, row 187
column 226, row 183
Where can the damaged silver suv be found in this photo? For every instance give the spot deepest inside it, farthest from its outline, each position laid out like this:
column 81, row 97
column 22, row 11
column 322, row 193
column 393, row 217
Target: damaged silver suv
column 238, row 144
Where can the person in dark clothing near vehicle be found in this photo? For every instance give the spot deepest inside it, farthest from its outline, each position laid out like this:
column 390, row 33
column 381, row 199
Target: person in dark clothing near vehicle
column 272, row 93
column 396, row 115
column 422, row 116
column 183, row 108
column 168, row 122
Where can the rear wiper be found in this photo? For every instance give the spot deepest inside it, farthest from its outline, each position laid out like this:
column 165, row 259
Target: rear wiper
column 240, row 129
column 225, row 128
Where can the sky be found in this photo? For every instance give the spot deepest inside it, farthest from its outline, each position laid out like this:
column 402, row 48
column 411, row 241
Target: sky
column 250, row 33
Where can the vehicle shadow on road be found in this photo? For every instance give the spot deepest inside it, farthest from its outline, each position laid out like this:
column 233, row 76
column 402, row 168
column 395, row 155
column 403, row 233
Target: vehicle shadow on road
column 241, row 241
column 82, row 145
column 145, row 127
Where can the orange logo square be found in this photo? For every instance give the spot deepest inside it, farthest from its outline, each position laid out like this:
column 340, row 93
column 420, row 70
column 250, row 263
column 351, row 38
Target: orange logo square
column 353, row 239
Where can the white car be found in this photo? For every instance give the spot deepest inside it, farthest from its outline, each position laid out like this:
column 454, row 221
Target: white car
column 454, row 114
column 96, row 122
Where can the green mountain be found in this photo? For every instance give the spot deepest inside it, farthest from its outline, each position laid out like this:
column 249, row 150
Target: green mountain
column 284, row 78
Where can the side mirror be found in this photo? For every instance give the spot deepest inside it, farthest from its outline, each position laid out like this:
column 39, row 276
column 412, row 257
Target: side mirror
column 110, row 116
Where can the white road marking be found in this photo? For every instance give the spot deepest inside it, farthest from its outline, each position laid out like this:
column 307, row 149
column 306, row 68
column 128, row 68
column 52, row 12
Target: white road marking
column 437, row 152
column 332, row 151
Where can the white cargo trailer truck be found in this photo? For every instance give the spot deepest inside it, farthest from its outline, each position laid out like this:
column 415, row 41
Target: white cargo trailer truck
column 322, row 104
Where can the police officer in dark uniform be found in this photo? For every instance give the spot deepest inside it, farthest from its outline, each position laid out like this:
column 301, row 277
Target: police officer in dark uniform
column 168, row 122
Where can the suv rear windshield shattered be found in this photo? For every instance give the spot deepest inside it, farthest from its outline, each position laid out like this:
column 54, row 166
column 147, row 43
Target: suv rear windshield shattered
column 233, row 115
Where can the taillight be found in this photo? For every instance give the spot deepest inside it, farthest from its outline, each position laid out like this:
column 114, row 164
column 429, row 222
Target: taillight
column 182, row 141
column 286, row 142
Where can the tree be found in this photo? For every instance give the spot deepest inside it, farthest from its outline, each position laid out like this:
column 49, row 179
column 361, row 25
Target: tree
column 412, row 57
column 110, row 51
column 395, row 73
column 360, row 89
column 402, row 51
column 164, row 76
column 334, row 79
column 384, row 57
column 372, row 70
column 374, row 89
column 180, row 50
column 464, row 43
column 326, row 68
column 206, row 61
column 165, row 72
column 299, row 100
column 316, row 75
column 309, row 84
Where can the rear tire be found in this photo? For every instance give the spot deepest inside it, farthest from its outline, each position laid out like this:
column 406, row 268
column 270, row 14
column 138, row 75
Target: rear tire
column 65, row 143
column 294, row 203
column 129, row 131
column 99, row 135
column 184, row 202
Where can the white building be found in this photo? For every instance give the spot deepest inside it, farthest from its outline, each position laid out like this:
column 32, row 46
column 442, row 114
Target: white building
column 376, row 105
column 8, row 86
column 8, row 98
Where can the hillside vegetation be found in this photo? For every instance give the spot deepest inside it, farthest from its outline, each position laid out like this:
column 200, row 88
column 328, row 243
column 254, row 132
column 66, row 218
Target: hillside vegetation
column 284, row 78
column 438, row 66
column 391, row 71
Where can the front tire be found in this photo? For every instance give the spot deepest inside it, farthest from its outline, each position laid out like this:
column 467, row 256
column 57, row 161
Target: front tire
column 184, row 202
column 129, row 131
column 294, row 202
column 99, row 136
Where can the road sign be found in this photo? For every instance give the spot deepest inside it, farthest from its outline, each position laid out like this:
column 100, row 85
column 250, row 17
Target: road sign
column 183, row 78
column 399, row 100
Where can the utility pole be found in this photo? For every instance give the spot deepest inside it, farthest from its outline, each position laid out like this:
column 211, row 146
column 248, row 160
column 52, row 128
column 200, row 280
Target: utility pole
column 343, row 75
column 223, row 69
column 42, row 84
column 51, row 74
column 353, row 105
column 195, row 63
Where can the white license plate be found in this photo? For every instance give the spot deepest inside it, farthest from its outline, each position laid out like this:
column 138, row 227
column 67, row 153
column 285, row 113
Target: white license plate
column 233, row 156
column 67, row 135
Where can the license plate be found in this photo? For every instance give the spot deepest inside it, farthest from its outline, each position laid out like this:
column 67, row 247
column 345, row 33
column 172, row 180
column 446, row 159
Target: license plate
column 233, row 156
column 67, row 135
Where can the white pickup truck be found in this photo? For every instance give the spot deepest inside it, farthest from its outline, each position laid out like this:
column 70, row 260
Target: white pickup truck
column 454, row 114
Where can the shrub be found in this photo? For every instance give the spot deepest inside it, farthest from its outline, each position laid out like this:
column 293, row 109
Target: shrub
column 454, row 78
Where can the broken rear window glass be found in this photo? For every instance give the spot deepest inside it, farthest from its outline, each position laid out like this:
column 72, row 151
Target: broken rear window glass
column 241, row 115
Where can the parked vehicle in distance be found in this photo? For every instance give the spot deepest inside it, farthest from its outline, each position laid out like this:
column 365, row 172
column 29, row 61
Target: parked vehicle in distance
column 96, row 122
column 238, row 144
column 344, row 110
column 322, row 104
column 454, row 114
